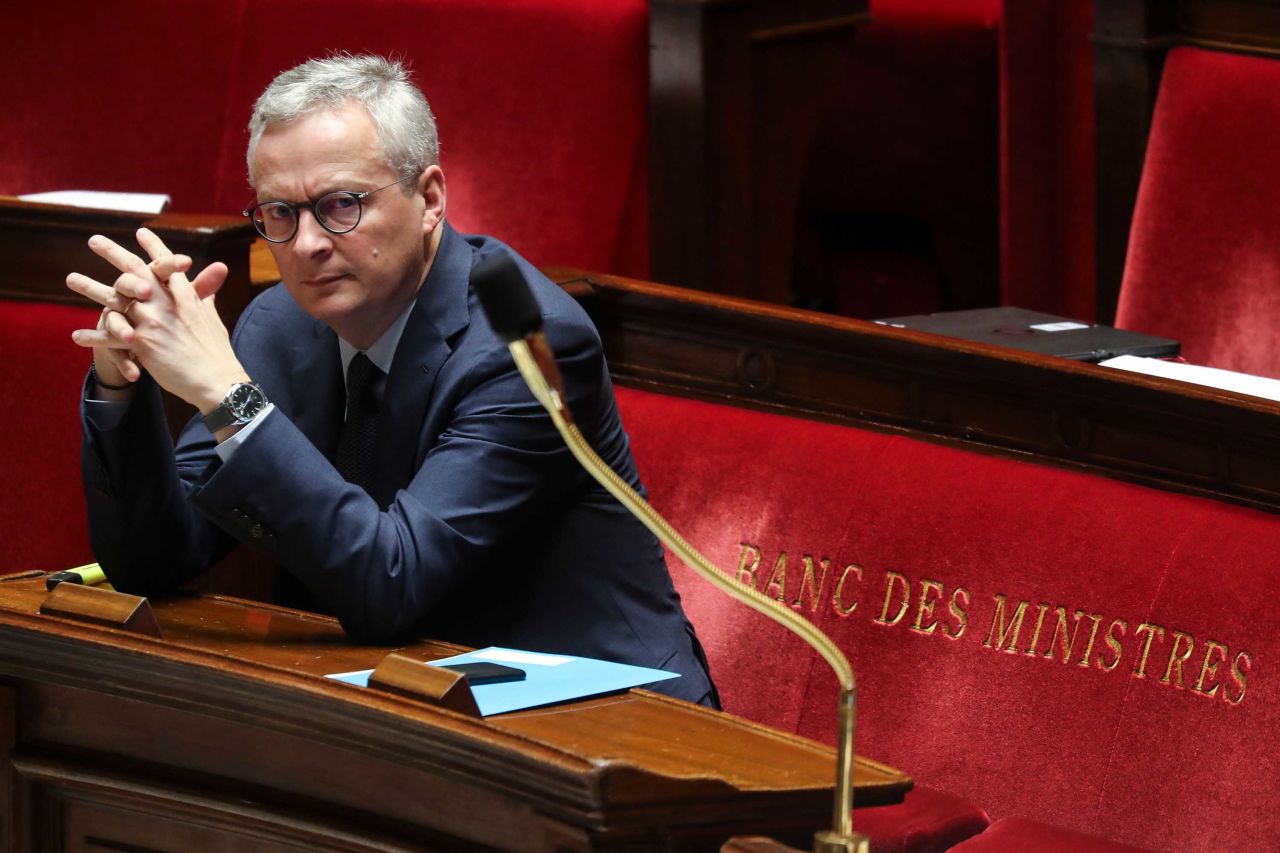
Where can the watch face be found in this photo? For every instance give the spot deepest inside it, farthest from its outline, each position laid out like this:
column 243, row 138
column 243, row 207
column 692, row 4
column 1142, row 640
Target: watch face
column 245, row 401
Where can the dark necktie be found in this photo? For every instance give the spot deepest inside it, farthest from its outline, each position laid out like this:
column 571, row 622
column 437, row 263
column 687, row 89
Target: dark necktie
column 358, row 442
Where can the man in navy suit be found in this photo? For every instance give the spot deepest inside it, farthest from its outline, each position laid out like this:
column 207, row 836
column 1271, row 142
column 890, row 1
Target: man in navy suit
column 364, row 425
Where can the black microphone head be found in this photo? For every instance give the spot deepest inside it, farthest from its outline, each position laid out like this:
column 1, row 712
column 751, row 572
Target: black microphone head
column 505, row 297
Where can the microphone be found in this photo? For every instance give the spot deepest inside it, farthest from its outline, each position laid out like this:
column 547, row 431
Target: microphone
column 516, row 317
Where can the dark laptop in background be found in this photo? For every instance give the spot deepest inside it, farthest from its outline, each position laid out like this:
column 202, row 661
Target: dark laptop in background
column 1043, row 333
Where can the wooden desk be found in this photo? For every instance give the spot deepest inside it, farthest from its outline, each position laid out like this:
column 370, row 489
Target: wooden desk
column 225, row 735
column 41, row 243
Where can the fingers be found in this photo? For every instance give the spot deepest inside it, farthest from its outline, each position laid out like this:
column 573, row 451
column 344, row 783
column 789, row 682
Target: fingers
column 119, row 298
column 113, row 331
column 153, row 245
column 164, row 268
column 210, row 280
column 118, row 327
column 164, row 264
column 118, row 256
column 124, row 365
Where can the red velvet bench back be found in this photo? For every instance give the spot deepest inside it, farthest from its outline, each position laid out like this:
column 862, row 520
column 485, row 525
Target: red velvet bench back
column 542, row 105
column 42, row 515
column 1203, row 264
column 1043, row 642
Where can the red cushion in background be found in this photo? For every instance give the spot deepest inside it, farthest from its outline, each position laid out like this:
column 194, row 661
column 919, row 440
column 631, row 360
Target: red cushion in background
column 112, row 96
column 542, row 105
column 1102, row 752
column 42, row 515
column 1204, row 250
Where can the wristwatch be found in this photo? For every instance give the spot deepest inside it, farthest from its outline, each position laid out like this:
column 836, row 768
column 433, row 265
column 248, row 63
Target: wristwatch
column 242, row 404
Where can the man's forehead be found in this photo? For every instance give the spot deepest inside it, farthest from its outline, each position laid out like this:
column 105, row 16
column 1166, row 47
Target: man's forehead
column 321, row 147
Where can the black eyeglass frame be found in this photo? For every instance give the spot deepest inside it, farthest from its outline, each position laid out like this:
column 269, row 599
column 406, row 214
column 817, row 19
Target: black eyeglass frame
column 296, row 207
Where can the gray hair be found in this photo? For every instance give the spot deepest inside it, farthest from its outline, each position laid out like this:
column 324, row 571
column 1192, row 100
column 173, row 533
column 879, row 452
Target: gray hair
column 401, row 115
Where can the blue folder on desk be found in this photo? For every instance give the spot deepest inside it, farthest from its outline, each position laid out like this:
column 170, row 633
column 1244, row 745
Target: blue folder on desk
column 548, row 678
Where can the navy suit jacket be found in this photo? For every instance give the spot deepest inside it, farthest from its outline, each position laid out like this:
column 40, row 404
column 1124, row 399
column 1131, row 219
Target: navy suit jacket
column 481, row 528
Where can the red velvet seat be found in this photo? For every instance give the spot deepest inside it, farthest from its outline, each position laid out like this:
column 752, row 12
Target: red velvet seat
column 42, row 515
column 927, row 821
column 1204, row 250
column 1130, row 702
column 1019, row 835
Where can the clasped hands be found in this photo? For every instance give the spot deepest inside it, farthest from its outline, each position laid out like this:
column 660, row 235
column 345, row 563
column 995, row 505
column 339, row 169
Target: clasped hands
column 155, row 319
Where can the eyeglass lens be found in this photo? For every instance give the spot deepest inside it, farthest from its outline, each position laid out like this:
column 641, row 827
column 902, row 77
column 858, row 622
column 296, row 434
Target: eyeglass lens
column 338, row 212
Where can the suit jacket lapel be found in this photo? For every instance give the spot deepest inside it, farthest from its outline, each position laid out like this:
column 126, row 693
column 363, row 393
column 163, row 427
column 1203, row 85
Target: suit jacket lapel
column 439, row 313
column 316, row 387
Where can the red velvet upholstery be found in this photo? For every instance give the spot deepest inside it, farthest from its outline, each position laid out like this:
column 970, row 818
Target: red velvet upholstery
column 928, row 820
column 542, row 105
column 915, row 558
column 42, row 516
column 116, row 96
column 1204, row 250
column 1019, row 835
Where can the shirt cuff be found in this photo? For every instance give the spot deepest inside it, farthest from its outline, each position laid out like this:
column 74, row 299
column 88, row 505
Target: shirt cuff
column 228, row 447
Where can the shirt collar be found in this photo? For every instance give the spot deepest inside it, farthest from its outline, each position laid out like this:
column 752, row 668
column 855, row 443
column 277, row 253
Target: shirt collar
column 383, row 350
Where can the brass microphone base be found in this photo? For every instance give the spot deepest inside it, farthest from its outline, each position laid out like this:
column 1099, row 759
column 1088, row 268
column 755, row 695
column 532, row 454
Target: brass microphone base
column 827, row 841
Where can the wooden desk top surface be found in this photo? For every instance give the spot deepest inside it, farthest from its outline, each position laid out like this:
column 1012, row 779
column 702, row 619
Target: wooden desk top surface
column 246, row 658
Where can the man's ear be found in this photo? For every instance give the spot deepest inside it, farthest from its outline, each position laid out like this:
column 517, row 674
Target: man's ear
column 431, row 188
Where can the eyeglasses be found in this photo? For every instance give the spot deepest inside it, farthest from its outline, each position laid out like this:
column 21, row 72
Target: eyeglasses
column 337, row 212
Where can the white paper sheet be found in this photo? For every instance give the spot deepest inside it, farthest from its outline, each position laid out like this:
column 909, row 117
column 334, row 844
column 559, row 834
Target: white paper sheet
column 1212, row 377
column 102, row 200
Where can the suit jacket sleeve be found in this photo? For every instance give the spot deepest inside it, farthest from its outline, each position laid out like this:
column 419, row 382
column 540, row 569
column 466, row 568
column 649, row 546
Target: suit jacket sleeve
column 145, row 533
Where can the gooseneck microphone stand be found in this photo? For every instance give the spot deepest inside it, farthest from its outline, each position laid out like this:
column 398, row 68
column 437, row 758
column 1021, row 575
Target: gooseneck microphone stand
column 516, row 317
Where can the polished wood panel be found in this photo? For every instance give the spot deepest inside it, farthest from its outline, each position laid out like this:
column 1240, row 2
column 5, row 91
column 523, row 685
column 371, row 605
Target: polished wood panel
column 1154, row 431
column 41, row 243
column 1131, row 39
column 734, row 92
column 226, row 734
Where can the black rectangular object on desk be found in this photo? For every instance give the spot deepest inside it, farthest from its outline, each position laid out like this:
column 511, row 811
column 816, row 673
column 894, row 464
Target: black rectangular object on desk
column 1035, row 332
column 486, row 673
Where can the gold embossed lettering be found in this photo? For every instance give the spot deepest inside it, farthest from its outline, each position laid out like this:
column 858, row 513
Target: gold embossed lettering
column 1005, row 636
column 958, row 612
column 1237, row 673
column 748, row 562
column 1113, row 643
column 1179, row 658
column 1061, row 639
column 837, row 599
column 778, row 578
column 1208, row 668
column 1035, row 636
column 1093, row 633
column 924, row 610
column 1152, row 630
column 893, row 579
column 813, row 583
